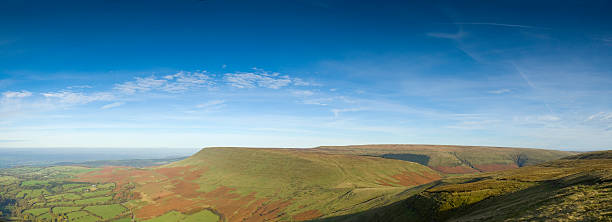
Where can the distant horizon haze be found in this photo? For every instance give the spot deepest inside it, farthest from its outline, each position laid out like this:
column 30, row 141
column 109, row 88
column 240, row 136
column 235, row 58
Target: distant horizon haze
column 194, row 150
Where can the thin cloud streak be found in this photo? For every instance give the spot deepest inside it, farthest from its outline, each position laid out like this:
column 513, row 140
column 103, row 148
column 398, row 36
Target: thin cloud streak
column 499, row 24
column 211, row 104
column 524, row 76
column 68, row 97
column 19, row 94
column 500, row 91
column 453, row 36
column 112, row 105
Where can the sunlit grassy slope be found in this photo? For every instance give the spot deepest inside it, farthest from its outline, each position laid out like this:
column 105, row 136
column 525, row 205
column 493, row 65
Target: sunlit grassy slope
column 318, row 183
column 242, row 184
column 576, row 188
column 455, row 159
column 277, row 169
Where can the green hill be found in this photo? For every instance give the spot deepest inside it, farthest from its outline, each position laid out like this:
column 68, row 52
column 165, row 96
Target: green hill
column 454, row 159
column 576, row 188
column 243, row 184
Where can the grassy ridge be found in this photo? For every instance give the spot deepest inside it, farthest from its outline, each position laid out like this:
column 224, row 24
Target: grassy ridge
column 455, row 159
column 322, row 183
column 274, row 169
column 242, row 184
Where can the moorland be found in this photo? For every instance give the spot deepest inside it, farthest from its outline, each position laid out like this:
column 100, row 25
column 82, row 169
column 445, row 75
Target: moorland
column 346, row 183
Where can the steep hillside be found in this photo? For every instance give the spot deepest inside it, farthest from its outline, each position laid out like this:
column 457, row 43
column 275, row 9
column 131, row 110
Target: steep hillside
column 455, row 159
column 577, row 188
column 242, row 184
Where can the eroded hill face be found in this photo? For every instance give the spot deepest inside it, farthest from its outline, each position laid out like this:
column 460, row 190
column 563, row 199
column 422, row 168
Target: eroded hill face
column 240, row 184
column 455, row 159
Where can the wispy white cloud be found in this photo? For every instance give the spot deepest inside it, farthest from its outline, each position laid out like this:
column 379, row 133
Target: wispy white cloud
column 526, row 79
column 337, row 112
column 454, row 36
column 120, row 92
column 459, row 39
column 301, row 82
column 548, row 118
column 178, row 82
column 140, row 85
column 337, row 101
column 318, row 101
column 257, row 79
column 182, row 81
column 500, row 91
column 474, row 124
column 80, row 87
column 16, row 94
column 600, row 116
column 212, row 103
column 303, row 93
column 112, row 105
column 263, row 79
column 68, row 97
column 536, row 119
column 499, row 24
column 209, row 106
column 522, row 74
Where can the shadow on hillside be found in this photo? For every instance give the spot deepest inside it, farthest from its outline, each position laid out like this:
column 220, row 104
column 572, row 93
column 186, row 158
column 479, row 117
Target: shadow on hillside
column 4, row 203
column 421, row 209
column 397, row 211
column 417, row 158
column 424, row 208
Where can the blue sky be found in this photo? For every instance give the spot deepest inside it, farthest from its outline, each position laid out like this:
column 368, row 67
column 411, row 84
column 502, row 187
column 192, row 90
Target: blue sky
column 305, row 73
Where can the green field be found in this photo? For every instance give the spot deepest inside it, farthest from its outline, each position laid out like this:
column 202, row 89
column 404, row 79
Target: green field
column 48, row 193
column 107, row 211
column 96, row 193
column 37, row 211
column 82, row 216
column 202, row 216
column 25, row 194
column 60, row 197
column 96, row 200
column 45, row 217
column 34, row 183
column 62, row 210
